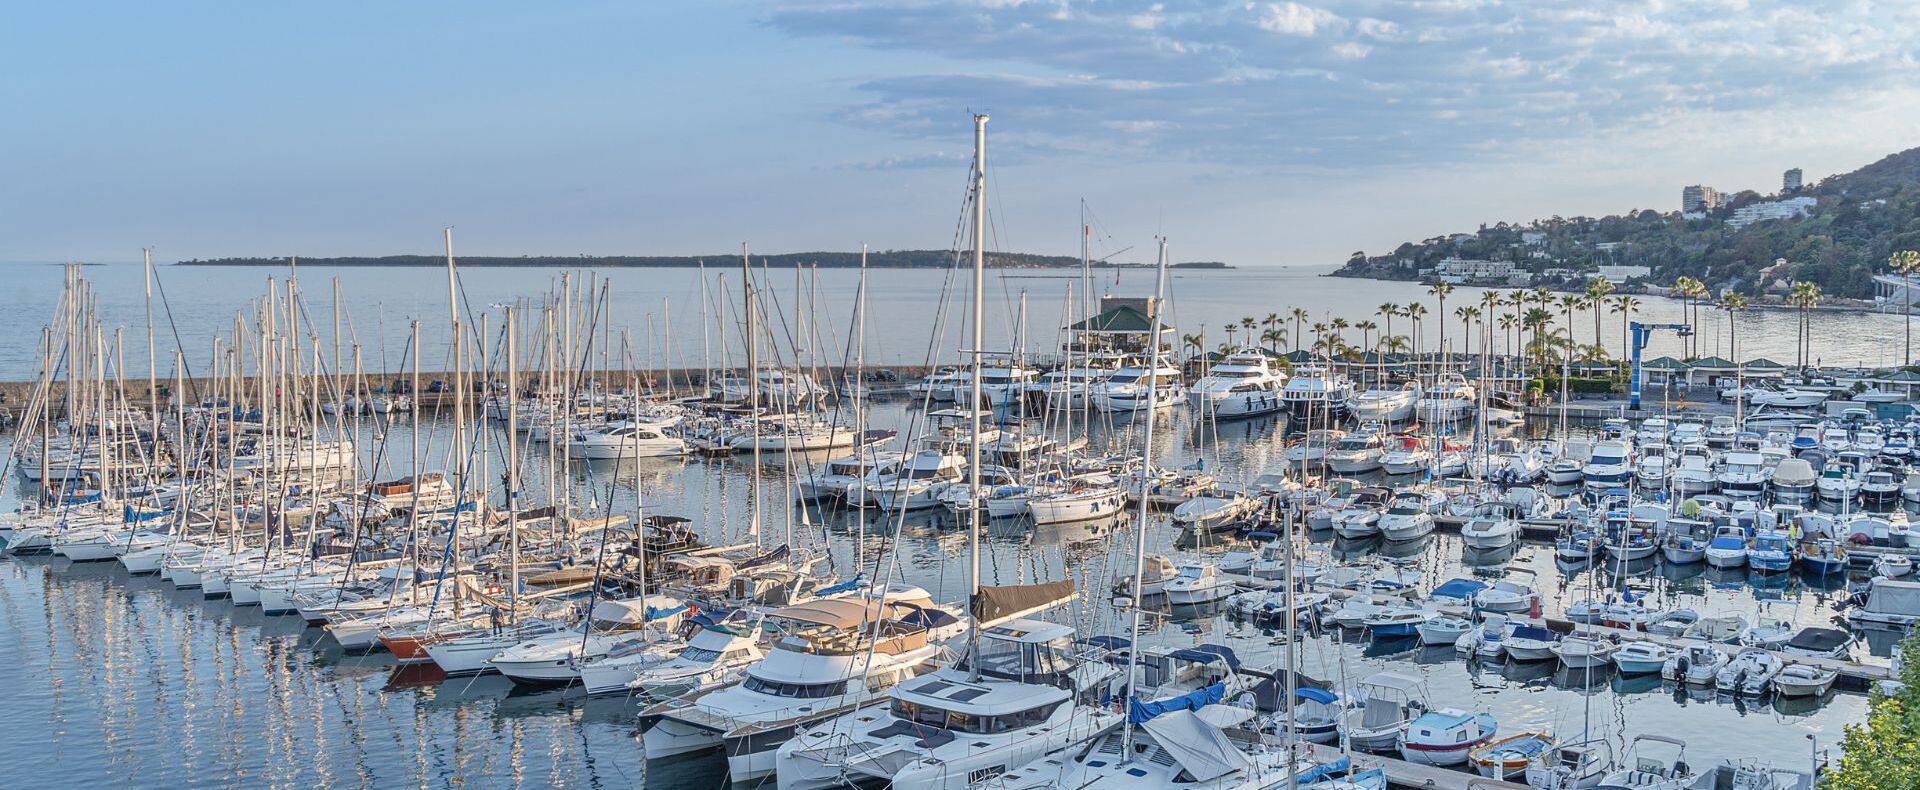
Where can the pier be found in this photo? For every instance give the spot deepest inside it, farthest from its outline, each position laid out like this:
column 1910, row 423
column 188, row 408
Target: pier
column 1854, row 676
column 1412, row 776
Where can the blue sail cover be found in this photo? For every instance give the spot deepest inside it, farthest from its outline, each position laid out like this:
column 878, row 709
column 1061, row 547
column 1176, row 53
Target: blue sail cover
column 1322, row 771
column 1138, row 711
column 1316, row 695
column 1206, row 653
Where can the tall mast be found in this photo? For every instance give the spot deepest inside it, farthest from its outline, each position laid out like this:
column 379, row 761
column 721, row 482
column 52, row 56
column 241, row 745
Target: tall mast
column 459, row 384
column 153, row 394
column 1146, row 463
column 973, row 387
column 859, row 405
column 753, row 393
column 513, row 466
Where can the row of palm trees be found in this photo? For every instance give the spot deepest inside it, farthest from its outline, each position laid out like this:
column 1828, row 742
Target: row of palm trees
column 1525, row 320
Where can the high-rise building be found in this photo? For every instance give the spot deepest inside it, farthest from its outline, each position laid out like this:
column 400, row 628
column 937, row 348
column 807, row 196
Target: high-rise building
column 1790, row 181
column 1698, row 198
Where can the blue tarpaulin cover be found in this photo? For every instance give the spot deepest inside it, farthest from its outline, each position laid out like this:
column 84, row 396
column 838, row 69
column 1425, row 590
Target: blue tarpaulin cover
column 1138, row 711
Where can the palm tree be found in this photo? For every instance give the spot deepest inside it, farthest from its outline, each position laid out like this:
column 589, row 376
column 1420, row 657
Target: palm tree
column 1597, row 290
column 1366, row 328
column 1507, row 322
column 1248, row 324
column 1537, row 320
column 1394, row 343
column 1198, row 342
column 1417, row 313
column 1804, row 295
column 1319, row 335
column 1570, row 303
column 1388, row 311
column 1441, row 291
column 1272, row 339
column 1299, row 315
column 1690, row 291
column 1733, row 302
column 1271, row 322
column 1466, row 313
column 1624, row 304
column 1906, row 262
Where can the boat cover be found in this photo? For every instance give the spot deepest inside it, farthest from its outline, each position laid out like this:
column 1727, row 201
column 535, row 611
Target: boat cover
column 636, row 612
column 1819, row 639
column 1207, row 653
column 1894, row 597
column 1200, row 748
column 1001, row 601
column 1139, row 712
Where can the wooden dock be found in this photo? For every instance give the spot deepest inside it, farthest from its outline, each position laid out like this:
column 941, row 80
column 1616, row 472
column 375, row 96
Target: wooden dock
column 1412, row 776
column 1853, row 674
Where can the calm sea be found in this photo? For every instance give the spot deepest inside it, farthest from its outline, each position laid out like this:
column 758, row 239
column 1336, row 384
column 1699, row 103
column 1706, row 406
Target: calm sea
column 912, row 315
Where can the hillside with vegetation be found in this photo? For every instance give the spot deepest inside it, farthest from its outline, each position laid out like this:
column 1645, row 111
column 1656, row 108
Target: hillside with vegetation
column 886, row 259
column 1859, row 220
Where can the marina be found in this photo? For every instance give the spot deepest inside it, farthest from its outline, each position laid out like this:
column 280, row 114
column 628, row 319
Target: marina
column 1073, row 564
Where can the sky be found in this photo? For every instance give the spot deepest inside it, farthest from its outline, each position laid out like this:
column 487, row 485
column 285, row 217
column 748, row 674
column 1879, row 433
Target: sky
column 1255, row 133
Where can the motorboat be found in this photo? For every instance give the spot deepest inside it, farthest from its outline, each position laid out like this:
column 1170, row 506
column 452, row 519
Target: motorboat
column 1609, row 467
column 1693, row 471
column 1653, row 430
column 1003, row 385
column 1397, row 623
column 1822, row 557
column 1409, row 516
column 1685, row 542
column 1510, row 756
column 1653, row 762
column 714, row 654
column 1749, row 674
column 1135, row 387
column 1443, row 630
column 1317, row 393
column 1244, row 384
column 1728, row 547
column 1787, row 398
column 1743, row 475
column 1768, row 633
column 1641, row 657
column 1311, row 448
column 1771, row 552
column 1080, row 501
column 1385, row 405
column 1406, row 454
column 1584, row 651
column 1564, row 469
column 1880, row 489
column 1506, row 595
column 1386, row 703
column 1892, row 566
column 1356, row 453
column 1215, row 510
column 1717, row 628
column 1530, row 643
column 832, row 479
column 1197, row 582
column 1493, row 525
column 1450, row 399
column 1695, row 663
column 1574, row 766
column 1804, row 680
column 1359, row 515
column 1653, row 471
column 1819, row 642
column 1673, row 623
column 1444, row 737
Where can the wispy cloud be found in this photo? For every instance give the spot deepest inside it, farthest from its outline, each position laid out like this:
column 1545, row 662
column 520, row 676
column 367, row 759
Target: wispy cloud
column 1343, row 83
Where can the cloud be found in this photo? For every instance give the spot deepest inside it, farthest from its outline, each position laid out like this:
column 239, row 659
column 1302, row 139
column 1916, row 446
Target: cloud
column 1351, row 83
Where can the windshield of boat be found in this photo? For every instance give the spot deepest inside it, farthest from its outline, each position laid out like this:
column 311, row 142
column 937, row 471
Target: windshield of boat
column 1225, row 373
column 776, row 688
column 1607, row 459
column 925, row 715
column 1022, row 661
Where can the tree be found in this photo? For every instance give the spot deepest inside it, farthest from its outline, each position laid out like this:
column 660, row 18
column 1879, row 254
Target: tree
column 1441, row 291
column 1272, row 339
column 1388, row 311
column 1506, row 323
column 1417, row 313
column 1466, row 313
column 1906, row 262
column 1733, row 302
column 1299, row 315
column 1624, row 305
column 1366, row 328
column 1685, row 287
column 1597, row 291
column 1804, row 295
column 1197, row 342
column 1884, row 751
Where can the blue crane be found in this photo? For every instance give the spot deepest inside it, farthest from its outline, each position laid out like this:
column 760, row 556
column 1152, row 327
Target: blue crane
column 1640, row 333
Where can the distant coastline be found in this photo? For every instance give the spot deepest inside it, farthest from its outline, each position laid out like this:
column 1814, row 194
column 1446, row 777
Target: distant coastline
column 889, row 259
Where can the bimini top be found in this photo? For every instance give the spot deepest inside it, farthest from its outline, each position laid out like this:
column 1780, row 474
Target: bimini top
column 832, row 612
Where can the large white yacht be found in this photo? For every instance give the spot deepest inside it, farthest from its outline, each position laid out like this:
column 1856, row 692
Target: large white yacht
column 1242, row 385
column 1451, row 398
column 1317, row 391
column 1127, row 389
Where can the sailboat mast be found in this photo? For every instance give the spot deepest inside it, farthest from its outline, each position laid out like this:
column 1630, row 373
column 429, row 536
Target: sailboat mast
column 752, row 341
column 973, row 400
column 1146, row 464
column 153, row 392
column 513, row 463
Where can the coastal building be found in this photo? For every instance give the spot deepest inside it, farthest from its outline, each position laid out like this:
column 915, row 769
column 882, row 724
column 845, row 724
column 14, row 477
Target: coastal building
column 1620, row 274
column 1790, row 181
column 1123, row 324
column 1699, row 199
column 1532, row 238
column 1471, row 270
column 1773, row 209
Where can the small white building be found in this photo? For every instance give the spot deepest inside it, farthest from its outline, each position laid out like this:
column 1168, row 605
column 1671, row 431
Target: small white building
column 1620, row 274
